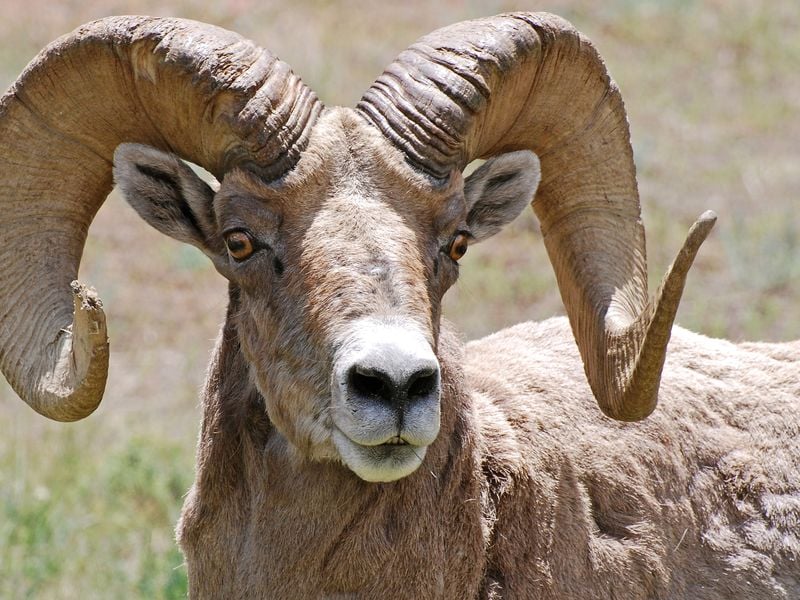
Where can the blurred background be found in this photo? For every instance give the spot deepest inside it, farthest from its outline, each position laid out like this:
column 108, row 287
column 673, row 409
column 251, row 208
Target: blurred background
column 87, row 510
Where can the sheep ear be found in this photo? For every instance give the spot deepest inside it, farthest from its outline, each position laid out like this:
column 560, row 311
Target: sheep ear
column 167, row 194
column 498, row 191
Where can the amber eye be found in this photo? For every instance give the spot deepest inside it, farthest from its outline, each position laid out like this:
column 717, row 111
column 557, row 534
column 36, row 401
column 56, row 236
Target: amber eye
column 239, row 244
column 458, row 247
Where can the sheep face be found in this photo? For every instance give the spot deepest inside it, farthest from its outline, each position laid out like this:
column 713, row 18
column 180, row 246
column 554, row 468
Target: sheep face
column 337, row 274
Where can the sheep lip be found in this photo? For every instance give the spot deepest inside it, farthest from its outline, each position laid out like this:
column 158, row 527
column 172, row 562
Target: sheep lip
column 395, row 441
column 382, row 462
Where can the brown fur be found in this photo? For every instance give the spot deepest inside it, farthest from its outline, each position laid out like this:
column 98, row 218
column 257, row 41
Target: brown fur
column 701, row 500
column 528, row 492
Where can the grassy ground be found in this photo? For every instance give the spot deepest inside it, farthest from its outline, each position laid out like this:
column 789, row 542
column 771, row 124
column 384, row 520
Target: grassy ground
column 87, row 509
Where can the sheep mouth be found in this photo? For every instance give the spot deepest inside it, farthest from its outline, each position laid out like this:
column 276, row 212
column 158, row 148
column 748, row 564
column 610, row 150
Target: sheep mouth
column 384, row 462
column 395, row 441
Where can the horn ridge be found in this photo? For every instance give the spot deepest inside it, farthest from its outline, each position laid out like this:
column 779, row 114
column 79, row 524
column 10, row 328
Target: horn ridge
column 532, row 81
column 204, row 93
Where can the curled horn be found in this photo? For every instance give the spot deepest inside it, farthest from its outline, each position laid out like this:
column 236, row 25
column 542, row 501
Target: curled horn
column 204, row 93
column 531, row 81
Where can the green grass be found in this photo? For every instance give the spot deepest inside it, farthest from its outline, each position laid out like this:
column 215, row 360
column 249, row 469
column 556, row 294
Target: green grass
column 78, row 524
column 87, row 510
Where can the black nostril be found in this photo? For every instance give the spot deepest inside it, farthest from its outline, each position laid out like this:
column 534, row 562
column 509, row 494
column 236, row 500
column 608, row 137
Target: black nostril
column 423, row 383
column 371, row 384
column 368, row 383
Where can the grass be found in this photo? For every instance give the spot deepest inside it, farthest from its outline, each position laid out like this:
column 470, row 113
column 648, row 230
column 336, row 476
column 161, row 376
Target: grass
column 87, row 510
column 91, row 526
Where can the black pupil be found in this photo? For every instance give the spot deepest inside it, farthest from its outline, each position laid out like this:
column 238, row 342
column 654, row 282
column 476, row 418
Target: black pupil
column 459, row 248
column 237, row 243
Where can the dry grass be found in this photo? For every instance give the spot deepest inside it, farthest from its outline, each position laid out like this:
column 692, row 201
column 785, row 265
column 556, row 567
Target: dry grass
column 86, row 510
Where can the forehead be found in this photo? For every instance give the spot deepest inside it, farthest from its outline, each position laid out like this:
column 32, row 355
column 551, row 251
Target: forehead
column 348, row 169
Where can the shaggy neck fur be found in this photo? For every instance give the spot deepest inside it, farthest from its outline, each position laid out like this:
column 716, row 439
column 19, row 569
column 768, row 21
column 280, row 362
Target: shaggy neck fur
column 313, row 529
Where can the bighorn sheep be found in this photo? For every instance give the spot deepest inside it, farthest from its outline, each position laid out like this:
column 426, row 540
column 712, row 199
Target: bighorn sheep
column 351, row 445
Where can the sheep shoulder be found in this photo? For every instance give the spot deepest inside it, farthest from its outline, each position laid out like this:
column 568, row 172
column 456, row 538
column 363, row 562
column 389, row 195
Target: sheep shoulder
column 701, row 500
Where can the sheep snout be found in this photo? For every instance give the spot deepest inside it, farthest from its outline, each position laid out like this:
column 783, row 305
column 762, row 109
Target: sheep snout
column 385, row 393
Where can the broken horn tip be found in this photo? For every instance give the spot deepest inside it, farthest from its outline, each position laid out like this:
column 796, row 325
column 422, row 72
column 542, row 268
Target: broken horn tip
column 85, row 295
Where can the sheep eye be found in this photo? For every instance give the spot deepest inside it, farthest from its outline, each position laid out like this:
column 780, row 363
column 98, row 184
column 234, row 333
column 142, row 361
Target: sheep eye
column 239, row 244
column 458, row 246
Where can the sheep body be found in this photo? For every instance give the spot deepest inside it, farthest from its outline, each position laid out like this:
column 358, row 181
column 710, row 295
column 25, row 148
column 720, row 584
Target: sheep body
column 701, row 500
column 528, row 492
